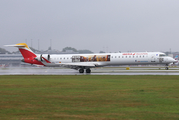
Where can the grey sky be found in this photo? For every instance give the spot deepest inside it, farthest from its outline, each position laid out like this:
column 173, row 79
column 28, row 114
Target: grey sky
column 113, row 25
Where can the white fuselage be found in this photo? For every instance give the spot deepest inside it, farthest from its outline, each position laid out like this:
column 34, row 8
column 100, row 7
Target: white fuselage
column 138, row 58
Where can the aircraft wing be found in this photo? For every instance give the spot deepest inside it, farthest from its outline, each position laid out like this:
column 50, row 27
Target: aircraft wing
column 71, row 65
column 81, row 64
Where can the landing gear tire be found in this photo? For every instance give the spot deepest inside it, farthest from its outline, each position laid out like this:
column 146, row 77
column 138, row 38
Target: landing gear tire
column 81, row 70
column 166, row 68
column 88, row 71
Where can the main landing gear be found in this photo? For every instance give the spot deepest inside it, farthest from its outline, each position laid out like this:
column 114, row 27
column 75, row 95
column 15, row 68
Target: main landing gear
column 82, row 70
column 88, row 71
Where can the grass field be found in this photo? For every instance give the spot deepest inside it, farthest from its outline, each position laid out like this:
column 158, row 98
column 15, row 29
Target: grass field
column 89, row 97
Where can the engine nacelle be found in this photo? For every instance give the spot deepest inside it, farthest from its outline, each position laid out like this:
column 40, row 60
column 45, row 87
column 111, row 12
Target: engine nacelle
column 46, row 56
column 42, row 56
column 39, row 57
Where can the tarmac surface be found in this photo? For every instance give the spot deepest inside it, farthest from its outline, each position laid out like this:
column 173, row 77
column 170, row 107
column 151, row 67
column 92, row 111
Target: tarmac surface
column 94, row 71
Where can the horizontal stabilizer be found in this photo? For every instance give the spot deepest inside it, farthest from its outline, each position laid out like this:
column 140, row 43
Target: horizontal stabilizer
column 14, row 45
column 24, row 49
column 19, row 45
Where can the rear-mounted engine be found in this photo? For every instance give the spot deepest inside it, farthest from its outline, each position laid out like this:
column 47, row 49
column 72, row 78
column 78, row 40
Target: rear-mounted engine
column 42, row 56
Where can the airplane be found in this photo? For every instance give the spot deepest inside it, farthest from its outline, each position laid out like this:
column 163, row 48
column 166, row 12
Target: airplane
column 82, row 62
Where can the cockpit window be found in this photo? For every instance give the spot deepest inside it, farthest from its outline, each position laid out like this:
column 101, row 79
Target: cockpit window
column 162, row 55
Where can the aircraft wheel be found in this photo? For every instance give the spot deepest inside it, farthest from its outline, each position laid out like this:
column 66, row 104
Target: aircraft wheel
column 166, row 68
column 81, row 70
column 88, row 71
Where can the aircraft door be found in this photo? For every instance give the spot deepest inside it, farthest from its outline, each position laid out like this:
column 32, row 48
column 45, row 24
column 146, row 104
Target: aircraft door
column 153, row 58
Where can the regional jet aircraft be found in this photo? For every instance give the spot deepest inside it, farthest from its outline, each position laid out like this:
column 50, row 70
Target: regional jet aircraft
column 83, row 62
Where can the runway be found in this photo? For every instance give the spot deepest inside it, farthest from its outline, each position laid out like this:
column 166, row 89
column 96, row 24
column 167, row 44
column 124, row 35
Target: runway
column 95, row 71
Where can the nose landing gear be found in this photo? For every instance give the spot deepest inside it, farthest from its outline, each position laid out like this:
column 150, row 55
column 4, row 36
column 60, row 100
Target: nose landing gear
column 166, row 68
